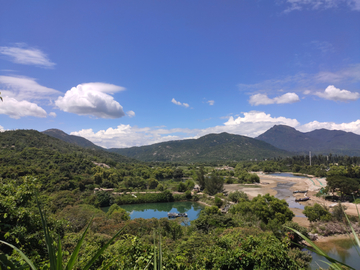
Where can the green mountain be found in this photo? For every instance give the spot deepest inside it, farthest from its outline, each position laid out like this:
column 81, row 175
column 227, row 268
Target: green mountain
column 80, row 141
column 14, row 143
column 212, row 147
column 320, row 141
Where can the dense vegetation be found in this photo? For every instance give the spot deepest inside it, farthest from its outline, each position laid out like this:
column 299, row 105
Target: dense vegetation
column 252, row 235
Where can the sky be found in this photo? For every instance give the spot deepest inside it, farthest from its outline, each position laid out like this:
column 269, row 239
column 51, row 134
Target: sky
column 129, row 73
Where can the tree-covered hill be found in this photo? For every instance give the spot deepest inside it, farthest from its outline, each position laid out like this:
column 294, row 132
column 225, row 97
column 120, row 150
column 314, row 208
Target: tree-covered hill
column 80, row 141
column 212, row 147
column 321, row 141
column 57, row 164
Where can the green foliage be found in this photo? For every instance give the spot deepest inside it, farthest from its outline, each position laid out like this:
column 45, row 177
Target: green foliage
column 80, row 215
column 236, row 196
column 55, row 253
column 165, row 196
column 104, row 199
column 317, row 213
column 218, row 201
column 214, row 184
column 266, row 207
column 153, row 183
column 344, row 184
column 181, row 187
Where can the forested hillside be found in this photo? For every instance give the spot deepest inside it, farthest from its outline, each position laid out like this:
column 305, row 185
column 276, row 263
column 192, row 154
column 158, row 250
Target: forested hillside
column 212, row 147
column 57, row 164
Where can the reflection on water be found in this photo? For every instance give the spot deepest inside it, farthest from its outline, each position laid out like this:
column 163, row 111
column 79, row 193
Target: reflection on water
column 343, row 250
column 160, row 210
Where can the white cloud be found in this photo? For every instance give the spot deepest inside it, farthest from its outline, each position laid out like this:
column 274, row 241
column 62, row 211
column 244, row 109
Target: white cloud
column 262, row 99
column 349, row 127
column 16, row 109
column 92, row 99
column 179, row 103
column 211, row 102
column 25, row 88
column 130, row 113
column 321, row 4
column 2, row 129
column 22, row 54
column 18, row 92
column 333, row 93
column 52, row 114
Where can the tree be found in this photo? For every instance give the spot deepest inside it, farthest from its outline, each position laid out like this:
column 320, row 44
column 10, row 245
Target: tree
column 317, row 213
column 214, row 184
column 237, row 195
column 344, row 184
column 201, row 177
column 218, row 201
column 267, row 208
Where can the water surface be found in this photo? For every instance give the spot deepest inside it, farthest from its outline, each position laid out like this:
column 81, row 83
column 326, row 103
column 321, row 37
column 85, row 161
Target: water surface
column 160, row 210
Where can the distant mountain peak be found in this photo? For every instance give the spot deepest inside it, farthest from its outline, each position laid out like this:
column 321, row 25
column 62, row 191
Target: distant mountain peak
column 318, row 141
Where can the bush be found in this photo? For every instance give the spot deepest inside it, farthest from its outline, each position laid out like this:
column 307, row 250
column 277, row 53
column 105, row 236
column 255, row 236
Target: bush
column 237, row 195
column 218, row 201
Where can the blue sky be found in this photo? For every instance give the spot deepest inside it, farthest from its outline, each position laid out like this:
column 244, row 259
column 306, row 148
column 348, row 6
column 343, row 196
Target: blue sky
column 131, row 73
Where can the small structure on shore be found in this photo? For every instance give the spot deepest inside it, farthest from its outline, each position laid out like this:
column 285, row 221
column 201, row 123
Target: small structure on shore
column 176, row 215
column 300, row 191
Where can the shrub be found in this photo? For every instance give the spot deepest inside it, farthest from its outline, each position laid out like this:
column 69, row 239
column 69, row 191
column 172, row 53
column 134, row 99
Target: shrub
column 317, row 213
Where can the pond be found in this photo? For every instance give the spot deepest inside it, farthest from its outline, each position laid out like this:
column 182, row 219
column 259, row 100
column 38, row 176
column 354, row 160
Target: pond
column 160, row 210
column 343, row 250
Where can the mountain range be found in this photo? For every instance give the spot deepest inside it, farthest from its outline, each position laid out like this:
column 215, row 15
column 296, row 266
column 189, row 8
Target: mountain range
column 278, row 141
column 320, row 141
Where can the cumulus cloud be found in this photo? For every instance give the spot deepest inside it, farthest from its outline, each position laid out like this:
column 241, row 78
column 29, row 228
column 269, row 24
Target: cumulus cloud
column 22, row 54
column 262, row 99
column 349, row 127
column 52, row 114
column 179, row 103
column 211, row 102
column 2, row 129
column 16, row 109
column 250, row 124
column 92, row 99
column 130, row 113
column 333, row 93
column 321, row 4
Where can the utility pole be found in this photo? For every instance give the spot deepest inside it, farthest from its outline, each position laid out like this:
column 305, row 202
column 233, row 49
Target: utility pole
column 310, row 157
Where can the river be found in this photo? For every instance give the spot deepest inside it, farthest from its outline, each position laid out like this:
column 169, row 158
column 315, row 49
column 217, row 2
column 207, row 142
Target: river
column 344, row 250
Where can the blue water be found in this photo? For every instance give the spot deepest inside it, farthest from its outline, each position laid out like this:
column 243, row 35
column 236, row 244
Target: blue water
column 160, row 210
